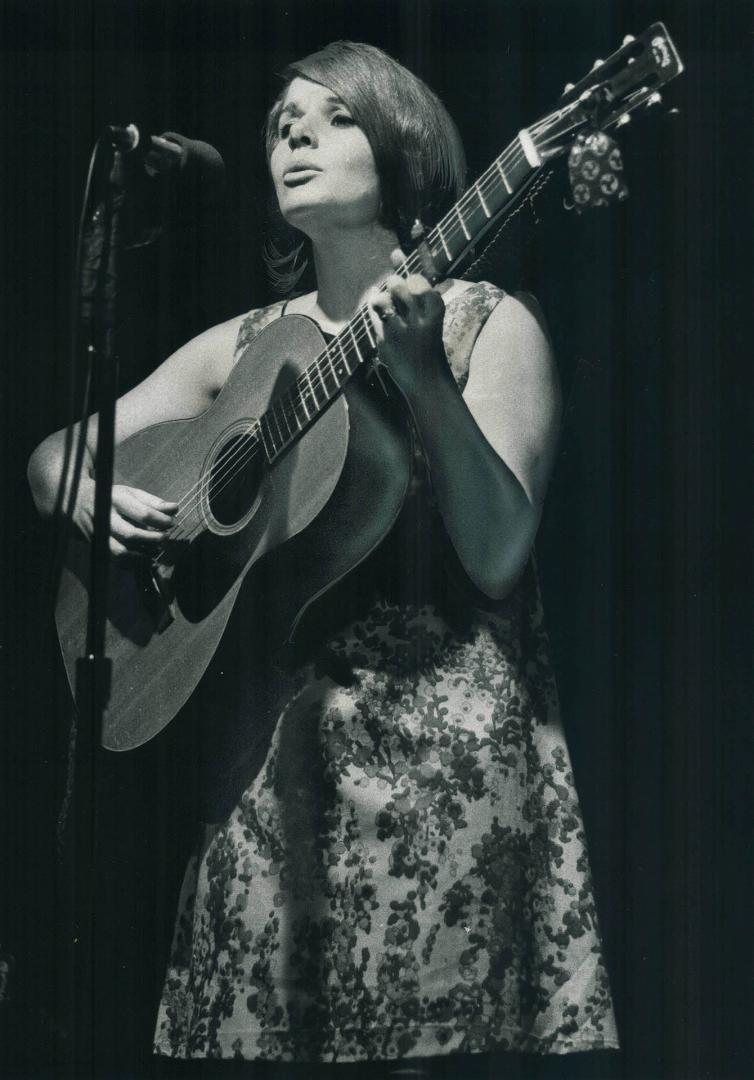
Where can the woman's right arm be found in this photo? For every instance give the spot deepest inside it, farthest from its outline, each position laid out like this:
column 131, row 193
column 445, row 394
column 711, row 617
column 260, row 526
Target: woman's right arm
column 183, row 386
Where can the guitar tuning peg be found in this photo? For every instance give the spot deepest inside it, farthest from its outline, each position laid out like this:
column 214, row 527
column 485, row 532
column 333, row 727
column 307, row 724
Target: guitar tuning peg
column 653, row 99
column 597, row 63
column 568, row 87
column 623, row 120
column 628, row 39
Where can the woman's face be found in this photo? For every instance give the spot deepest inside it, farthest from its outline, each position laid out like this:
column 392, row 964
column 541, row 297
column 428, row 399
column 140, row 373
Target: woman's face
column 322, row 165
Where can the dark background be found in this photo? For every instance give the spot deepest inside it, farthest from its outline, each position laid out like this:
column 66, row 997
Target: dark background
column 645, row 550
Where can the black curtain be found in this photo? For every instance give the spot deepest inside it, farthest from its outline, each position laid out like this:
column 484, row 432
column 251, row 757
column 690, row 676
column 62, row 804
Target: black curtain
column 645, row 549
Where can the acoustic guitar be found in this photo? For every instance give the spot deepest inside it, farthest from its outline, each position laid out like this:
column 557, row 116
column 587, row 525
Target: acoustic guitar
column 298, row 446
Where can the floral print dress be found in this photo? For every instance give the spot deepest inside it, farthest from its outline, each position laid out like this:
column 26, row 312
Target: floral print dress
column 406, row 875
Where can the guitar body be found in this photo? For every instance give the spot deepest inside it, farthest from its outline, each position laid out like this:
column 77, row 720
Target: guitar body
column 165, row 622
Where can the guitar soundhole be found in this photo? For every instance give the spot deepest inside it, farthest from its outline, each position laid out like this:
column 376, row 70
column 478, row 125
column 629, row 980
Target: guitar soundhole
column 234, row 481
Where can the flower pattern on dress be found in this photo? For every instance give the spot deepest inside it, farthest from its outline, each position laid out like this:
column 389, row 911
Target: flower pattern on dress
column 407, row 874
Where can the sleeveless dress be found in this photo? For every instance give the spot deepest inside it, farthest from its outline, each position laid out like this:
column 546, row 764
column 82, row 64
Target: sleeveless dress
column 406, row 874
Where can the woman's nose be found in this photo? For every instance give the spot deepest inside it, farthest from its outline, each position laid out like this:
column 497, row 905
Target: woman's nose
column 300, row 134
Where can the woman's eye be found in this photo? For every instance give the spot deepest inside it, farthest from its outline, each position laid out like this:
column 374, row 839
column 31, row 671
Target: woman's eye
column 342, row 119
column 283, row 131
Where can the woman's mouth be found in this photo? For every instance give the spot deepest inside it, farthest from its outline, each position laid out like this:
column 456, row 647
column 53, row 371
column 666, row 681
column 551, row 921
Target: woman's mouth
column 299, row 174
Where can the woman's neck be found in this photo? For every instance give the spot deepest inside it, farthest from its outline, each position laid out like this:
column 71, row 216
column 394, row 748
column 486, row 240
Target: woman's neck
column 349, row 264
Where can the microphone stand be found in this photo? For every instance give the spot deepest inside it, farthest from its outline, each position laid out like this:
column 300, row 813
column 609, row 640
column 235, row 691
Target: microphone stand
column 102, row 247
column 127, row 216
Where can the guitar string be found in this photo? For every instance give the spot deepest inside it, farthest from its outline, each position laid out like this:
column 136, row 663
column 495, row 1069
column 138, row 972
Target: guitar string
column 334, row 357
column 242, row 455
column 446, row 228
column 331, row 355
column 451, row 230
column 285, row 408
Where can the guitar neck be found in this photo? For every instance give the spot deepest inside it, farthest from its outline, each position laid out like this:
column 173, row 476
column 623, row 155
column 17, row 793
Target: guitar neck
column 291, row 413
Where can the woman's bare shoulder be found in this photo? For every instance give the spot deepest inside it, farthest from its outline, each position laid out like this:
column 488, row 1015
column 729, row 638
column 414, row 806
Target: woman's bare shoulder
column 210, row 356
column 513, row 356
column 212, row 350
column 514, row 391
column 188, row 381
column 248, row 325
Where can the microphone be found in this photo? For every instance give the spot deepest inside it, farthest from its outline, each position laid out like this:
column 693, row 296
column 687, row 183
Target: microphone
column 171, row 152
column 155, row 201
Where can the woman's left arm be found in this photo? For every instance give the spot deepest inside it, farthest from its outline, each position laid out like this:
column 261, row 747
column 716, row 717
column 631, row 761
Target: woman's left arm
column 490, row 451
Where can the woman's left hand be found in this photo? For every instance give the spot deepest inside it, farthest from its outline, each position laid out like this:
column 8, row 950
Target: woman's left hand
column 407, row 317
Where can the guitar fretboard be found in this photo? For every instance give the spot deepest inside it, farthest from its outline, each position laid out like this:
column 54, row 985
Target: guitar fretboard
column 291, row 413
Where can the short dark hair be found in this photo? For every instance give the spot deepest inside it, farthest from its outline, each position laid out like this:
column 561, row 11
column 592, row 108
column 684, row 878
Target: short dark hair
column 417, row 149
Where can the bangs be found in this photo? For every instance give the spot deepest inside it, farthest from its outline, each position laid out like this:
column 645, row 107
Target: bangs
column 417, row 150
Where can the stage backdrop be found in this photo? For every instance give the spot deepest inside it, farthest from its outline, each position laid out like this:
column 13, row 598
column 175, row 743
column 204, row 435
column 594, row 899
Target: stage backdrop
column 644, row 552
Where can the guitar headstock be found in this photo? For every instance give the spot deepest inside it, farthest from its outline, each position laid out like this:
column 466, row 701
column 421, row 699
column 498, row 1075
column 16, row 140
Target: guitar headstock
column 614, row 89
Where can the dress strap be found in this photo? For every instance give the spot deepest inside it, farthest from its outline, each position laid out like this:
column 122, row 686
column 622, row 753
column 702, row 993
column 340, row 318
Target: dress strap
column 328, row 337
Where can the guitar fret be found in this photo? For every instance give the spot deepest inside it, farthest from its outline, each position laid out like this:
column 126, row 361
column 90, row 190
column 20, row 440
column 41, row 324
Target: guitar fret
column 344, row 357
column 272, row 413
column 312, row 387
column 283, row 407
column 279, row 408
column 328, row 359
column 503, row 177
column 267, row 440
column 323, row 376
column 319, row 383
column 446, row 249
column 294, row 400
column 484, row 206
column 459, row 215
column 369, row 331
column 302, row 392
column 331, row 356
column 355, row 343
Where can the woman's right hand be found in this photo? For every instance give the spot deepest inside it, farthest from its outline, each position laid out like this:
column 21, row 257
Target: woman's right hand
column 139, row 521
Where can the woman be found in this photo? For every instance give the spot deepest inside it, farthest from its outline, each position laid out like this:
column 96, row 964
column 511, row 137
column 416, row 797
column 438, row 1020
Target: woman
column 405, row 876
